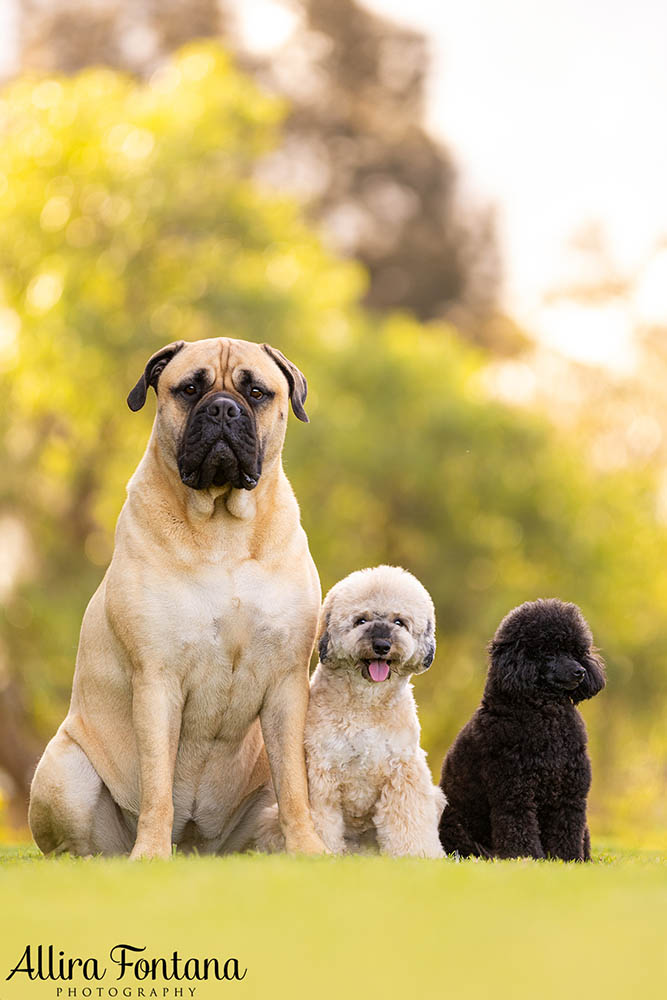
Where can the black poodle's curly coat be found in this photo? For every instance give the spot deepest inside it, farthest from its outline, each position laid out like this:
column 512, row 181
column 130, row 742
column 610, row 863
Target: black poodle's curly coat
column 518, row 774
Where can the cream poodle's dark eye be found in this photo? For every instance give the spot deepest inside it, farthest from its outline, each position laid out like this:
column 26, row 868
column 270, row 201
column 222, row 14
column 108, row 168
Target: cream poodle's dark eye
column 400, row 623
column 257, row 393
column 360, row 621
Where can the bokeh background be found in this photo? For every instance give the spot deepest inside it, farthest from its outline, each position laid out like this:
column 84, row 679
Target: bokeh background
column 487, row 367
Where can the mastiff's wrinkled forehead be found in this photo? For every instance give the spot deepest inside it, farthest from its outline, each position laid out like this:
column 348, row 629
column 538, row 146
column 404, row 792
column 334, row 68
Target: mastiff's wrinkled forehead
column 222, row 408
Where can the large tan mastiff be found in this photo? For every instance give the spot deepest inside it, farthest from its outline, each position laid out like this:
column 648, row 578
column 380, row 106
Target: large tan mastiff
column 191, row 678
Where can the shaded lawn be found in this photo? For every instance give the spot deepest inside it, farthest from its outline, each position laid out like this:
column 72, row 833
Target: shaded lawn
column 349, row 927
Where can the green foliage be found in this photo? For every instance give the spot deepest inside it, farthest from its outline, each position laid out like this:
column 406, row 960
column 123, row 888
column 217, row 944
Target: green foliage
column 130, row 218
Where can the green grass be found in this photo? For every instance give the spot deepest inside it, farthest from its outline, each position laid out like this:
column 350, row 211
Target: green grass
column 352, row 927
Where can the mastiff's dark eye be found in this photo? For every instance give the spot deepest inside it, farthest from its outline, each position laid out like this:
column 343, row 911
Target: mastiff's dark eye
column 190, row 389
column 360, row 621
column 257, row 393
column 399, row 622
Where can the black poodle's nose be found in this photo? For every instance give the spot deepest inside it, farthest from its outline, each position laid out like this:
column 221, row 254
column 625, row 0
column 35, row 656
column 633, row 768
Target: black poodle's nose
column 222, row 408
column 579, row 673
column 381, row 647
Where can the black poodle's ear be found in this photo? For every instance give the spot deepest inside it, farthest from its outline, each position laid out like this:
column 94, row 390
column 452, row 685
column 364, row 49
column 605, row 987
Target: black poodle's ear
column 511, row 672
column 154, row 368
column 594, row 680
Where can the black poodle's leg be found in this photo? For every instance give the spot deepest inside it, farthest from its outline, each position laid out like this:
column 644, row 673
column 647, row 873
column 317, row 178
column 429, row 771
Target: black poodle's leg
column 455, row 839
column 515, row 832
column 564, row 831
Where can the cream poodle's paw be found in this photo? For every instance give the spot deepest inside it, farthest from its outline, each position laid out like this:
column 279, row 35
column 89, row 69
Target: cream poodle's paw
column 268, row 836
column 433, row 849
column 407, row 813
column 332, row 836
column 400, row 845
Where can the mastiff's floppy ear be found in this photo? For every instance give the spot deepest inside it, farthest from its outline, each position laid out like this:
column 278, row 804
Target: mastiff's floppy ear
column 152, row 372
column 298, row 387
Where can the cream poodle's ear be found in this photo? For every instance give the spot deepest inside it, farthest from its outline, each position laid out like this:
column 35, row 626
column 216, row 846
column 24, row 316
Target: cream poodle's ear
column 323, row 644
column 427, row 646
column 323, row 629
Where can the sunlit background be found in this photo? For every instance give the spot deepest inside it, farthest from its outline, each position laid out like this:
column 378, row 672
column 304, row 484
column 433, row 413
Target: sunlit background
column 452, row 216
column 554, row 112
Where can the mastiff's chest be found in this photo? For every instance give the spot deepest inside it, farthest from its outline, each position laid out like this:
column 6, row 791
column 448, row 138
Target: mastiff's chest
column 229, row 633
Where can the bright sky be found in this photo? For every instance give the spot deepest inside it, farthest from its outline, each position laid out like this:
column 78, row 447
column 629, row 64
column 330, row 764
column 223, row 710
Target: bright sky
column 556, row 111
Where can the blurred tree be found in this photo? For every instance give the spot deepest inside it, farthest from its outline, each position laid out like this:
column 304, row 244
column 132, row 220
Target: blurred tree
column 65, row 36
column 129, row 217
column 354, row 147
column 385, row 190
column 622, row 413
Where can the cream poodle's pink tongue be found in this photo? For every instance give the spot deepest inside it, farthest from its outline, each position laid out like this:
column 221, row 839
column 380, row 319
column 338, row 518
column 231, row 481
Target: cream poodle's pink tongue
column 379, row 670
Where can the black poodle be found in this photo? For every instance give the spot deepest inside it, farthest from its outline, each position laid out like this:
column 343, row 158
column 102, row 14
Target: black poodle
column 517, row 776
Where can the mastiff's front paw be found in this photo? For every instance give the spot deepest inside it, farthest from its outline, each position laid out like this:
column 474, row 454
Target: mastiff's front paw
column 146, row 849
column 305, row 842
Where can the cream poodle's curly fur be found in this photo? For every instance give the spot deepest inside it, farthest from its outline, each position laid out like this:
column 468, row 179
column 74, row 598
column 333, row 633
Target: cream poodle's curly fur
column 368, row 780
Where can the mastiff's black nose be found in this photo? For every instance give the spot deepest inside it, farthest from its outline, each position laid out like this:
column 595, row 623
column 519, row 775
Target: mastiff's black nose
column 223, row 408
column 381, row 647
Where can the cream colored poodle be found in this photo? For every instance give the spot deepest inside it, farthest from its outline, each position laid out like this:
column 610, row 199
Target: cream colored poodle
column 368, row 780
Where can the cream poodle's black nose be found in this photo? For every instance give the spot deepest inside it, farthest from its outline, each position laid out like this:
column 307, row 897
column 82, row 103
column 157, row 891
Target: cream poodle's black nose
column 381, row 647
